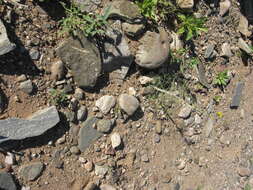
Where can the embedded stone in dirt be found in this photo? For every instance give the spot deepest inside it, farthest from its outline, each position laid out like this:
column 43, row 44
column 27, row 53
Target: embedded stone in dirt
column 185, row 4
column 115, row 140
column 26, row 86
column 7, row 182
column 57, row 70
column 5, row 44
column 154, row 49
column 83, row 58
column 128, row 103
column 244, row 172
column 226, row 50
column 105, row 103
column 101, row 170
column 237, row 95
column 82, row 113
column 244, row 46
column 31, row 171
column 244, row 26
column 209, row 127
column 185, row 111
column 87, row 134
column 37, row 124
column 104, row 125
column 125, row 10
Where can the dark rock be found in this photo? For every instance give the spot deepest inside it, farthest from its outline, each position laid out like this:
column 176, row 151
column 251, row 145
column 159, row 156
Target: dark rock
column 7, row 182
column 202, row 75
column 18, row 129
column 68, row 89
column 34, row 54
column 237, row 95
column 5, row 44
column 31, row 171
column 2, row 103
column 116, row 56
column 87, row 134
column 83, row 59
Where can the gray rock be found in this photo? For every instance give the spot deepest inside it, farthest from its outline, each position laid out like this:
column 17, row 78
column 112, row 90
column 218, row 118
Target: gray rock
column 185, row 111
column 87, row 134
column 34, row 54
column 5, row 44
column 7, row 182
column 57, row 70
column 104, row 125
column 87, row 5
column 243, row 26
column 224, row 7
column 82, row 113
column 79, row 94
column 237, row 95
column 209, row 53
column 209, row 127
column 125, row 10
column 115, row 140
column 185, row 4
column 74, row 150
column 105, row 103
column 26, row 86
column 133, row 30
column 202, row 75
column 244, row 46
column 116, row 56
column 37, row 124
column 128, row 103
column 226, row 50
column 101, row 170
column 31, row 171
column 154, row 49
column 157, row 138
column 83, row 59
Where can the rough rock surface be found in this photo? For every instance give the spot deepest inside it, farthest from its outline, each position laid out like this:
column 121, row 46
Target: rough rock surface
column 128, row 103
column 83, row 59
column 105, row 103
column 5, row 44
column 185, row 4
column 7, row 182
column 31, row 171
column 18, row 129
column 154, row 50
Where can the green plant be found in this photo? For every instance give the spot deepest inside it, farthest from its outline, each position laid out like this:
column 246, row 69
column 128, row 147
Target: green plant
column 89, row 24
column 222, row 79
column 247, row 187
column 148, row 8
column 193, row 62
column 58, row 97
column 217, row 99
column 190, row 26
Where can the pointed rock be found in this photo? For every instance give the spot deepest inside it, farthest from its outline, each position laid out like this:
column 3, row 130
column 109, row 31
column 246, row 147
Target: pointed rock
column 5, row 44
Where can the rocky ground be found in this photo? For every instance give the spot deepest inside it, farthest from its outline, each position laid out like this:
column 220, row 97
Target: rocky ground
column 123, row 113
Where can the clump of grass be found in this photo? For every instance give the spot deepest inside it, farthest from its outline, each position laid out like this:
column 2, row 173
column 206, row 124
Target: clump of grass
column 58, row 98
column 89, row 24
column 222, row 79
column 190, row 26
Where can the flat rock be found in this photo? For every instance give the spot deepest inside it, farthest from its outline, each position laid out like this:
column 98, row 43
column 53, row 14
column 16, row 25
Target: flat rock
column 243, row 26
column 37, row 124
column 31, row 171
column 105, row 103
column 209, row 53
column 226, row 50
column 244, row 46
column 125, row 10
column 116, row 55
column 26, row 86
column 101, row 170
column 154, row 49
column 87, row 134
column 202, row 75
column 237, row 95
column 7, row 182
column 115, row 140
column 209, row 127
column 104, row 125
column 133, row 30
column 83, row 58
column 87, row 5
column 5, row 44
column 128, row 103
column 185, row 4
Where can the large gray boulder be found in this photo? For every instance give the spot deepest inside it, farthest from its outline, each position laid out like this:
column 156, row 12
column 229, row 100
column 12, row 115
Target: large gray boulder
column 83, row 59
column 5, row 44
column 37, row 124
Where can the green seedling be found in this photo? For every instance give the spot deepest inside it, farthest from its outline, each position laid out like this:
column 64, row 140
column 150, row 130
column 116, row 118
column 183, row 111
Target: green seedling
column 58, row 97
column 193, row 62
column 247, row 187
column 217, row 99
column 222, row 79
column 190, row 26
column 148, row 8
